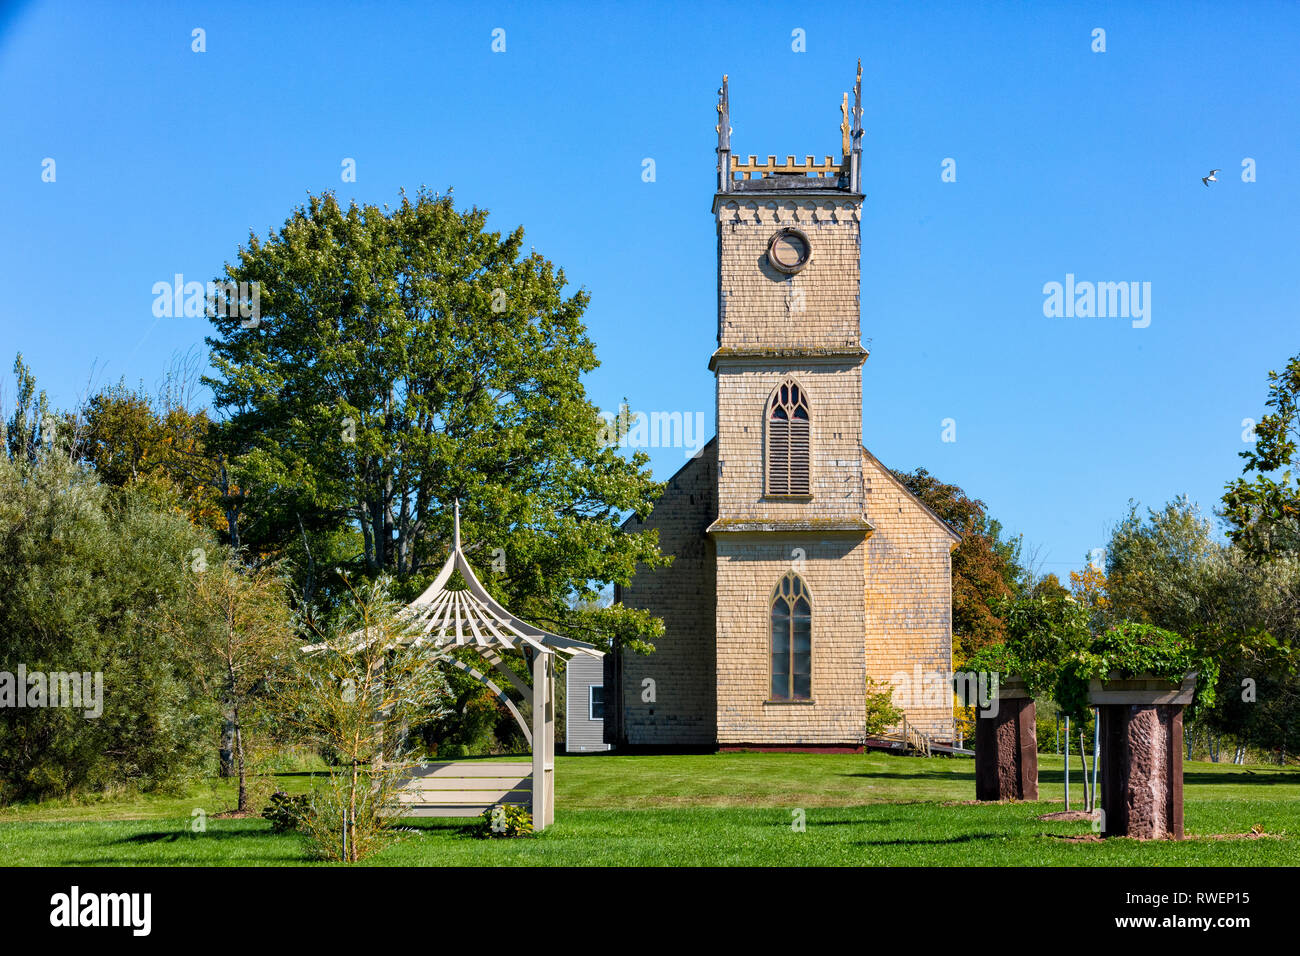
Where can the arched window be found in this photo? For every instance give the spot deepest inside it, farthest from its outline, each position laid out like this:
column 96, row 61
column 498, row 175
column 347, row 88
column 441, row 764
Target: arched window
column 788, row 438
column 791, row 640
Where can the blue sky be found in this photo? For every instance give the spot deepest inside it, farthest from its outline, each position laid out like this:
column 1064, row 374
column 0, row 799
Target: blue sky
column 1067, row 161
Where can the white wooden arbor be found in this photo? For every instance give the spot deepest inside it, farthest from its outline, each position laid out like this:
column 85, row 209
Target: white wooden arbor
column 444, row 620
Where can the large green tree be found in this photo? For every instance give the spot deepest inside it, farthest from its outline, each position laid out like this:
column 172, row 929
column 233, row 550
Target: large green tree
column 1159, row 568
column 1264, row 513
column 1168, row 568
column 407, row 357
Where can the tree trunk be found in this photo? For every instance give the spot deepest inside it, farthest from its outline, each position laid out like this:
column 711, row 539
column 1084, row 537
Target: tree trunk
column 226, row 752
column 367, row 542
column 309, row 586
column 229, row 508
column 1067, row 763
column 242, row 805
column 351, row 828
column 390, row 546
column 377, row 534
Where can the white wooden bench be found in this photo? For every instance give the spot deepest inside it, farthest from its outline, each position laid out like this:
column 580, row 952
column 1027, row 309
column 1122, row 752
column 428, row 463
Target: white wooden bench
column 464, row 788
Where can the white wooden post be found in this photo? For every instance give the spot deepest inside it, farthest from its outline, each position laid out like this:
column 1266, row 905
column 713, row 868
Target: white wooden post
column 549, row 738
column 540, row 802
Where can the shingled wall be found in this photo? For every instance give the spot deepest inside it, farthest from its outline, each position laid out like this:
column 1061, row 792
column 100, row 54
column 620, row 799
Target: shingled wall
column 749, row 568
column 682, row 594
column 908, row 600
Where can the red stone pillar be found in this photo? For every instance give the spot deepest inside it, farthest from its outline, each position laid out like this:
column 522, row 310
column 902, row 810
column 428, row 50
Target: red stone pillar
column 1142, row 756
column 1006, row 748
column 1142, row 770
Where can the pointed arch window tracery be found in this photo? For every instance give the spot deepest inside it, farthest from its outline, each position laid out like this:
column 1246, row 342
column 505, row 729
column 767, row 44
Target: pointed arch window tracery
column 791, row 640
column 789, row 440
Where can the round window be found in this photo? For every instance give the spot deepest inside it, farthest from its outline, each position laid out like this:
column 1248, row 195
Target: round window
column 789, row 250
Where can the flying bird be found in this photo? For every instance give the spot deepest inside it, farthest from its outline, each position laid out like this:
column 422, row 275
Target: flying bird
column 1210, row 178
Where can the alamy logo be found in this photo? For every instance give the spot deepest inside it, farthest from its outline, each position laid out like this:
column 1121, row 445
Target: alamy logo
column 102, row 909
column 628, row 429
column 978, row 689
column 934, row 689
column 1102, row 300
column 193, row 300
column 80, row 691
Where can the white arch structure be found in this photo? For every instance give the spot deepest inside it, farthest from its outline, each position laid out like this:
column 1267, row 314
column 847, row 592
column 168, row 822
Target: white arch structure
column 448, row 619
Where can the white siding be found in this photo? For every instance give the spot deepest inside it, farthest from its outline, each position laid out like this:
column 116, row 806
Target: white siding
column 582, row 734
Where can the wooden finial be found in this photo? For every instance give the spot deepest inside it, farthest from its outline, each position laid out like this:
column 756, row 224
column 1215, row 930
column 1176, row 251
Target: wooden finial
column 844, row 124
column 724, row 117
column 455, row 511
column 724, row 137
column 857, row 108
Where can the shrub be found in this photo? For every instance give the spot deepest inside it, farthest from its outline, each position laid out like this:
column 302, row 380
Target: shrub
column 350, row 696
column 1048, row 720
column 285, row 812
column 1041, row 632
column 88, row 575
column 352, row 817
column 881, row 712
column 505, row 820
column 1129, row 650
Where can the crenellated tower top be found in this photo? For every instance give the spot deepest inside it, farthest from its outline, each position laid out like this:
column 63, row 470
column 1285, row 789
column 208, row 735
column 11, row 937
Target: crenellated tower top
column 735, row 175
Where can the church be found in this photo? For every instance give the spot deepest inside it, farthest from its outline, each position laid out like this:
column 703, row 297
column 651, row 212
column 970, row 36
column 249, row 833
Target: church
column 801, row 567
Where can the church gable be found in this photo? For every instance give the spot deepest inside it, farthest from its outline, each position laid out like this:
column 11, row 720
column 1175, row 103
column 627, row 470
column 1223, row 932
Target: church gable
column 875, row 473
column 908, row 599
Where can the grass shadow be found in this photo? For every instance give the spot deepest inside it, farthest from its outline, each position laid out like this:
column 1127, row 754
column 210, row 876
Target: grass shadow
column 965, row 838
column 1247, row 777
column 785, row 825
column 176, row 836
column 937, row 775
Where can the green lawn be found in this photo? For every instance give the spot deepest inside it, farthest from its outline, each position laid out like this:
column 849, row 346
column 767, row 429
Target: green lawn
column 710, row 810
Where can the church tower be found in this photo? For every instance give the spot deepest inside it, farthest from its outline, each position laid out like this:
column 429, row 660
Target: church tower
column 791, row 523
column 802, row 566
